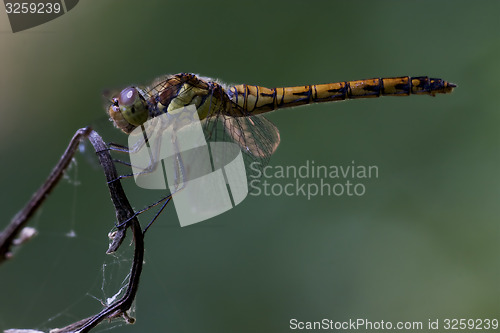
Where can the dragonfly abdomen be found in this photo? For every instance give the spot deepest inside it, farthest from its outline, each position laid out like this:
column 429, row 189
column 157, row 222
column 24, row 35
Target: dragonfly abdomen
column 256, row 99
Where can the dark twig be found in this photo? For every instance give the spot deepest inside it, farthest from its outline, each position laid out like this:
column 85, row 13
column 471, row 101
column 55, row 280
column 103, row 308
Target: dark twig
column 124, row 212
column 19, row 221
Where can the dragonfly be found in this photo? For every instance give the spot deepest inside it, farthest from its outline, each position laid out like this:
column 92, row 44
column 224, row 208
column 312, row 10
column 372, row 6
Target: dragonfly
column 236, row 113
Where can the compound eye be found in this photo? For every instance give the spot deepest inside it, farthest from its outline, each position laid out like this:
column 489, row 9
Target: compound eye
column 128, row 96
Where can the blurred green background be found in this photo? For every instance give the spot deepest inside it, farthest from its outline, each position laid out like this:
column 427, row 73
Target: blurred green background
column 422, row 243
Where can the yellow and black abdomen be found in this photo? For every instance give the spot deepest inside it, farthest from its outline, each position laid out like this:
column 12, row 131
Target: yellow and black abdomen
column 256, row 99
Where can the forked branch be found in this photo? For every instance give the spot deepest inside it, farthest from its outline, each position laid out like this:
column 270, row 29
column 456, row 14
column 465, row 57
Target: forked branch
column 123, row 211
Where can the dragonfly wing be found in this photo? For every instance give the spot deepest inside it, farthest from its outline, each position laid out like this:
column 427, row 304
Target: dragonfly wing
column 257, row 137
column 254, row 134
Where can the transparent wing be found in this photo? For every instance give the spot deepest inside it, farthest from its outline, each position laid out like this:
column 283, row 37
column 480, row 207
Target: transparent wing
column 257, row 137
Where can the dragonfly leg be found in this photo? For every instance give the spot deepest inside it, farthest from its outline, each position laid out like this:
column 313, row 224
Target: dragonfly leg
column 167, row 198
column 122, row 162
column 120, row 177
column 150, row 168
column 124, row 149
column 140, row 144
column 157, row 214
column 118, row 147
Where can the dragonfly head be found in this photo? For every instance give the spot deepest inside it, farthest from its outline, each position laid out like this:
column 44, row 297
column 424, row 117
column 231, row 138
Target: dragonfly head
column 128, row 110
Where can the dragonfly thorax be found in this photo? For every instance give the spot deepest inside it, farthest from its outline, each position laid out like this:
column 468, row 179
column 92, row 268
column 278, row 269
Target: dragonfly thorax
column 128, row 110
